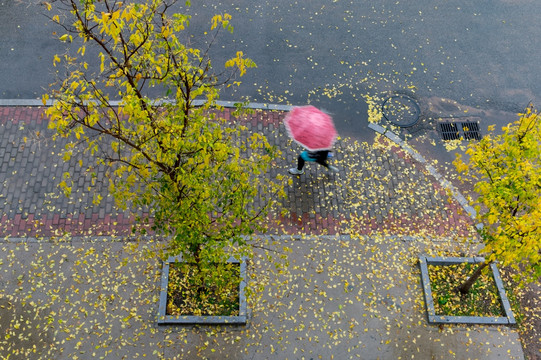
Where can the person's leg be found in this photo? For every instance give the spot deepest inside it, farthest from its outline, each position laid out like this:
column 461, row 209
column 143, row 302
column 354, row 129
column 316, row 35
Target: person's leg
column 300, row 163
column 324, row 163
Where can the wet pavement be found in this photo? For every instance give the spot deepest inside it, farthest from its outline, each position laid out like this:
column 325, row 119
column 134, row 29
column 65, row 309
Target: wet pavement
column 350, row 287
column 332, row 54
column 381, row 186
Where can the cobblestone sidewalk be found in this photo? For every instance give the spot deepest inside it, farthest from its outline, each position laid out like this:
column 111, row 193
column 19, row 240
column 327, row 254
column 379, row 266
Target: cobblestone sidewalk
column 379, row 188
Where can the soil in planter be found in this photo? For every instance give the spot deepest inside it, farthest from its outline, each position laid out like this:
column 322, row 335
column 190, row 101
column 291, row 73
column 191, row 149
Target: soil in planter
column 210, row 292
column 482, row 300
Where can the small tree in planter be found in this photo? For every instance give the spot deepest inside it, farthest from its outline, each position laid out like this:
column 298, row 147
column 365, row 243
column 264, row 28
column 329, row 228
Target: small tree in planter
column 199, row 175
column 506, row 169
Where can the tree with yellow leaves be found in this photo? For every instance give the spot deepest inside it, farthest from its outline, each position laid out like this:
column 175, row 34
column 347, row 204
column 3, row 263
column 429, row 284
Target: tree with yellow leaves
column 506, row 170
column 200, row 176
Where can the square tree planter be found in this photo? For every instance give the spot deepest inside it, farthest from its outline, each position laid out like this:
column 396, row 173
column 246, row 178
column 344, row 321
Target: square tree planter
column 424, row 261
column 164, row 319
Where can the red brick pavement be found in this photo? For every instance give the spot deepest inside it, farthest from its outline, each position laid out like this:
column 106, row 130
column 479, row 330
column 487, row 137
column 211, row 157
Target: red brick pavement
column 97, row 223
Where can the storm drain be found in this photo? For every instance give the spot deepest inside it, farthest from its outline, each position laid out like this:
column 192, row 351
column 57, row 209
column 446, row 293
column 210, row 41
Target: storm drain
column 471, row 131
column 459, row 130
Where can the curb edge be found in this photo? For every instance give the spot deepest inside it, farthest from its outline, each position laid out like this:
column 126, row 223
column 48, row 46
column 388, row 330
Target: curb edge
column 227, row 104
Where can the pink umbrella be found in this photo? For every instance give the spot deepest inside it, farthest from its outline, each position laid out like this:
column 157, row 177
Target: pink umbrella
column 311, row 128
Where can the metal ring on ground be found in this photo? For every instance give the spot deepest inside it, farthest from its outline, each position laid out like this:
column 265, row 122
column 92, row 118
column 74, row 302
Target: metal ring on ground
column 401, row 110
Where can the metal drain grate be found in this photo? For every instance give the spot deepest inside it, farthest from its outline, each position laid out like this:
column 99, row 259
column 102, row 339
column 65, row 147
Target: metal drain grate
column 471, row 131
column 459, row 130
column 448, row 131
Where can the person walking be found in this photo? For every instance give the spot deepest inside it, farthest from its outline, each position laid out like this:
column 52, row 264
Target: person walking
column 319, row 157
column 314, row 130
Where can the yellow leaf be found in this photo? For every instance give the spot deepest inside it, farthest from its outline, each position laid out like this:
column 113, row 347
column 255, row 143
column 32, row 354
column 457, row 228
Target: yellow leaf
column 215, row 20
column 55, row 59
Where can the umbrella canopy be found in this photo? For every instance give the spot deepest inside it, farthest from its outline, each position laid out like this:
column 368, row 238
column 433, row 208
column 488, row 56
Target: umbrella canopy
column 311, row 128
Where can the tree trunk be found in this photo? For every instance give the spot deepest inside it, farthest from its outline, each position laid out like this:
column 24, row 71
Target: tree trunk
column 466, row 286
column 200, row 281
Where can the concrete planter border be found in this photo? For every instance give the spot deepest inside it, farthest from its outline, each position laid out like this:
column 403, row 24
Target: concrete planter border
column 424, row 261
column 164, row 319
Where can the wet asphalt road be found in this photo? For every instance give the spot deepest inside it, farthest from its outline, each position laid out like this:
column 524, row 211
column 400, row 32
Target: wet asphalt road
column 483, row 54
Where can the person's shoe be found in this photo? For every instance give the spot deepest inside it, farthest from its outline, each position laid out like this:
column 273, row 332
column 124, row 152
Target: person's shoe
column 295, row 171
column 333, row 169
